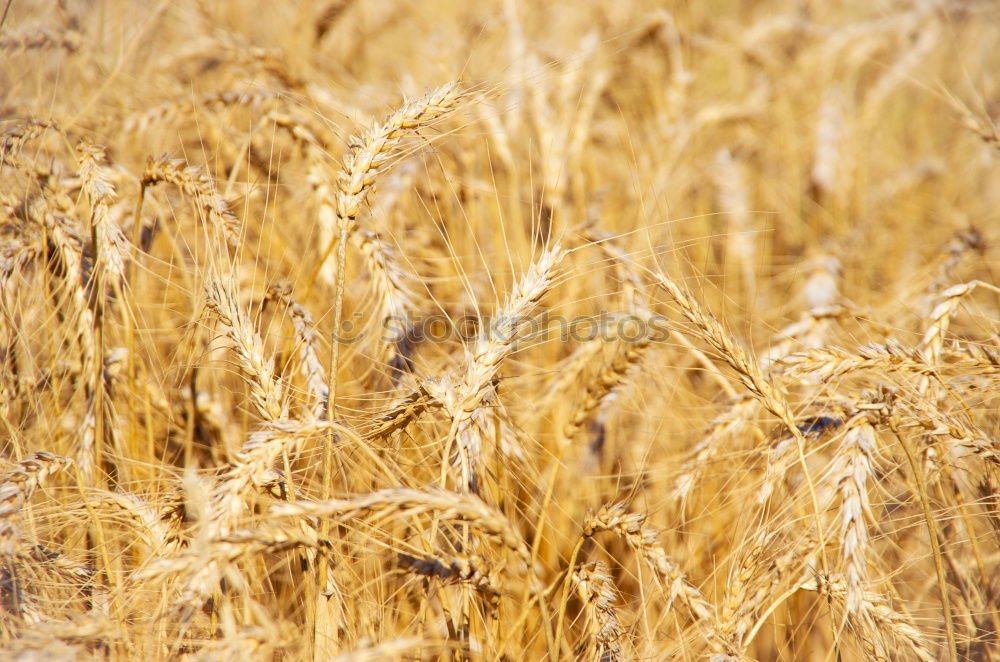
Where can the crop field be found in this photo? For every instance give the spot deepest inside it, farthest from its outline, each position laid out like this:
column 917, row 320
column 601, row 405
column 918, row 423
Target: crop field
column 506, row 330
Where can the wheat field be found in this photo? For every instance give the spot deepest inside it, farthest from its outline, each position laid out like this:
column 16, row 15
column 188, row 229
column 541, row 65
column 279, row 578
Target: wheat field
column 513, row 330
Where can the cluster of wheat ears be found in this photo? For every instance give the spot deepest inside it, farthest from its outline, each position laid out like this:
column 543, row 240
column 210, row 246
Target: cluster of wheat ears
column 724, row 386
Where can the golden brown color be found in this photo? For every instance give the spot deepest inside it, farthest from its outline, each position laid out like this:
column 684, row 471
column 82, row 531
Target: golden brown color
column 499, row 331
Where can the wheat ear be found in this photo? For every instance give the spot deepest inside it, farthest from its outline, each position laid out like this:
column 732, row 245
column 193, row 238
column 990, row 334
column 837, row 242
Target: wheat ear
column 496, row 344
column 749, row 374
column 368, row 155
column 17, row 486
column 308, row 342
column 465, row 508
column 852, row 470
column 265, row 387
column 642, row 540
column 194, row 182
column 597, row 591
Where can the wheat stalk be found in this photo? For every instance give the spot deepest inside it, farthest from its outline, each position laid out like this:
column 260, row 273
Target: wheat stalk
column 874, row 621
column 37, row 39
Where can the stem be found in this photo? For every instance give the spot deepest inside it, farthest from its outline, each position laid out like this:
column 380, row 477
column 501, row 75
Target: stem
column 935, row 543
column 331, row 405
column 331, row 413
column 3, row 19
column 564, row 600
